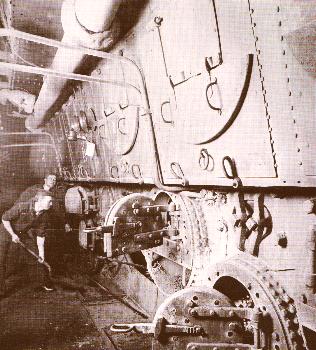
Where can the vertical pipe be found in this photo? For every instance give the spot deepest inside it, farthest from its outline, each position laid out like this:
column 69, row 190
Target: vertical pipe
column 310, row 280
column 255, row 321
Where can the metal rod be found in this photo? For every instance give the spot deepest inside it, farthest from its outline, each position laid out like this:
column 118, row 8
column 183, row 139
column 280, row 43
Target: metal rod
column 110, row 339
column 125, row 263
column 117, row 297
column 27, row 133
column 310, row 280
column 64, row 75
column 58, row 44
column 37, row 257
column 26, row 145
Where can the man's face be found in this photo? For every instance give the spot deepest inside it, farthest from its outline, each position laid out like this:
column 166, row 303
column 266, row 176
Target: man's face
column 44, row 203
column 50, row 181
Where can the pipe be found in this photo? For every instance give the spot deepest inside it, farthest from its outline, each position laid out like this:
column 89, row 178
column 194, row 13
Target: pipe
column 101, row 13
column 64, row 76
column 26, row 145
column 87, row 24
column 310, row 279
column 158, row 176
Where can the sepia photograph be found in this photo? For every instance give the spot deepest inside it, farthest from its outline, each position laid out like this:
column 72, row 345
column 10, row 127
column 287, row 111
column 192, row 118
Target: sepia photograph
column 158, row 174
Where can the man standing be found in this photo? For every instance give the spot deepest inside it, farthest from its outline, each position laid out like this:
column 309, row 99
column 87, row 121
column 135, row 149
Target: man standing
column 49, row 185
column 55, row 241
column 50, row 181
column 29, row 222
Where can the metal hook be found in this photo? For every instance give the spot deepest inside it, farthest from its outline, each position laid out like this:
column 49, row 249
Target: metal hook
column 83, row 172
column 209, row 95
column 114, row 172
column 121, row 328
column 136, row 172
column 232, row 165
column 178, row 172
column 204, row 160
column 119, row 125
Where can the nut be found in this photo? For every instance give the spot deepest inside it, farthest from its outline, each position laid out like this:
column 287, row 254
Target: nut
column 193, row 312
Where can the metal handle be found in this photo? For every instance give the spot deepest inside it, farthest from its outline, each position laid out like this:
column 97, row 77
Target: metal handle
column 122, row 328
column 233, row 170
column 37, row 257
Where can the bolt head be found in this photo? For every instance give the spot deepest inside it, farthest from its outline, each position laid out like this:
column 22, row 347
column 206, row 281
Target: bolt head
column 172, row 207
column 303, row 298
column 284, row 313
column 232, row 326
column 231, row 314
column 193, row 312
column 292, row 335
column 279, row 301
column 292, row 309
column 286, row 298
column 191, row 303
column 212, row 313
column 309, row 206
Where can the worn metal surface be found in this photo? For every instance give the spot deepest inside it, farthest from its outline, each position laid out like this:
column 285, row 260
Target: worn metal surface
column 254, row 280
column 243, row 93
column 230, row 67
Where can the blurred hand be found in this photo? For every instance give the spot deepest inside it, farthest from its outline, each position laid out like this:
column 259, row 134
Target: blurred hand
column 68, row 228
column 22, row 99
column 41, row 259
column 16, row 114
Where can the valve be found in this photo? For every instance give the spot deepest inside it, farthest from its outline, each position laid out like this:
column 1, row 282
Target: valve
column 138, row 224
column 213, row 324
